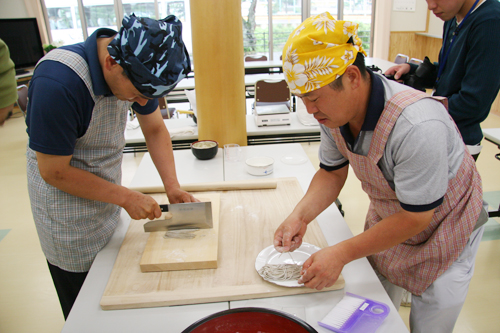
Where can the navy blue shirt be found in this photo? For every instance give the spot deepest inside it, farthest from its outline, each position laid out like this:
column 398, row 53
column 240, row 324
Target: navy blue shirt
column 60, row 105
column 471, row 75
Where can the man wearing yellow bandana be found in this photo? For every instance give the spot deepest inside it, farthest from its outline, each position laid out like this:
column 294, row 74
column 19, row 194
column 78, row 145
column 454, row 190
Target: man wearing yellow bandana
column 425, row 219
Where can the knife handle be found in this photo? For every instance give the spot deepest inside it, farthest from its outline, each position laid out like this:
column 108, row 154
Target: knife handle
column 164, row 208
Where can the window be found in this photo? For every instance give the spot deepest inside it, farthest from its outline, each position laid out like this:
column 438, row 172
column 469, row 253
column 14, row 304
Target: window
column 64, row 21
column 179, row 8
column 144, row 8
column 360, row 11
column 321, row 6
column 266, row 23
column 286, row 15
column 99, row 14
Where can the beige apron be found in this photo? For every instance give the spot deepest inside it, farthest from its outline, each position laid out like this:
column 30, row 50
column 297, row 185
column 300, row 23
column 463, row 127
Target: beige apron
column 73, row 230
column 419, row 261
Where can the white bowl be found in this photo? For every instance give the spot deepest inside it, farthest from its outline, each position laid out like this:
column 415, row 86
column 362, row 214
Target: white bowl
column 260, row 166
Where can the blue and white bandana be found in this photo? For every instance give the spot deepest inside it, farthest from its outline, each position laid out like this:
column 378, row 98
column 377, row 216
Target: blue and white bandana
column 151, row 53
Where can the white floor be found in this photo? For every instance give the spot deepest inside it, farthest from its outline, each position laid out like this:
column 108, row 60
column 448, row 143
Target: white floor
column 28, row 301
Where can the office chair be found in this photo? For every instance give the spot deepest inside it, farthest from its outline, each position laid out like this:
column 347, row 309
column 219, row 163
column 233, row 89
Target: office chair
column 256, row 70
column 166, row 112
column 256, row 58
column 22, row 98
column 415, row 61
column 401, row 59
column 272, row 92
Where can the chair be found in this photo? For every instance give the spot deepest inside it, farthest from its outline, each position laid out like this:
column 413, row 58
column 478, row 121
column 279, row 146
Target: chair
column 272, row 92
column 401, row 59
column 255, row 57
column 166, row 112
column 22, row 98
column 415, row 61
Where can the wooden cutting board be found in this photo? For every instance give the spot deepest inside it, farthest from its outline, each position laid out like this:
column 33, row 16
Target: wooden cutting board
column 247, row 222
column 173, row 254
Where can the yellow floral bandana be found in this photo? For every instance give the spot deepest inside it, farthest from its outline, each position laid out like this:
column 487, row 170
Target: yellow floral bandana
column 318, row 52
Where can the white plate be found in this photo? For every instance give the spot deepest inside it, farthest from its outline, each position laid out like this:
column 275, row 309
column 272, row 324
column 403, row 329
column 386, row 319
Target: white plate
column 270, row 256
column 293, row 159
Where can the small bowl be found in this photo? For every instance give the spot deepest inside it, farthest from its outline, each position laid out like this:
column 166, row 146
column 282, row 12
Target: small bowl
column 205, row 149
column 260, row 166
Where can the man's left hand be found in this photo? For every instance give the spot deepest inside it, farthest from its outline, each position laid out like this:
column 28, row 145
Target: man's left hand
column 180, row 196
column 322, row 269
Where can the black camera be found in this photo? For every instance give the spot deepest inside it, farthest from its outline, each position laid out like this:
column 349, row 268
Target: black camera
column 424, row 77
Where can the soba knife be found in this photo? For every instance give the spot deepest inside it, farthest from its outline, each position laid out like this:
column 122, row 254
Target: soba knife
column 184, row 216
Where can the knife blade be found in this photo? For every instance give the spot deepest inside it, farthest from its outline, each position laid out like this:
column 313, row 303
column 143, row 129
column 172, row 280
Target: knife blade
column 184, row 216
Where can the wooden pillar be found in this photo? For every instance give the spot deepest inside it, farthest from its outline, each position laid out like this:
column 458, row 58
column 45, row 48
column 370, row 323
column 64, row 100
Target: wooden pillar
column 219, row 73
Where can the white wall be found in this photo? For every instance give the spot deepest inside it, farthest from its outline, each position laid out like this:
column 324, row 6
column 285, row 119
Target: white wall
column 410, row 21
column 435, row 26
column 12, row 9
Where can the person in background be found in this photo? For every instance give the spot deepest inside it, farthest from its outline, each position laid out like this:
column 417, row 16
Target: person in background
column 425, row 219
column 79, row 98
column 467, row 73
column 8, row 83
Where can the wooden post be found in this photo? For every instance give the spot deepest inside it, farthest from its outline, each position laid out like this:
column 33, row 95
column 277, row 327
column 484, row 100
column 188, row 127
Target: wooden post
column 219, row 71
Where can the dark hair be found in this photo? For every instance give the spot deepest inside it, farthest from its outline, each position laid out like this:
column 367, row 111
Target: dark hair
column 358, row 62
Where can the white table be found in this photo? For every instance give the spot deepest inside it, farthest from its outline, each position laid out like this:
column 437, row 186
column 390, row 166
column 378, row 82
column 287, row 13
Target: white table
column 295, row 132
column 359, row 276
column 189, row 170
column 265, row 64
column 380, row 63
column 189, row 83
column 259, row 64
column 250, row 79
column 492, row 134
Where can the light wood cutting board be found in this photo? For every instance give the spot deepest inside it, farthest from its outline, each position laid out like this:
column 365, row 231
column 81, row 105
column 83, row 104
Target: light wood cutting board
column 171, row 254
column 248, row 220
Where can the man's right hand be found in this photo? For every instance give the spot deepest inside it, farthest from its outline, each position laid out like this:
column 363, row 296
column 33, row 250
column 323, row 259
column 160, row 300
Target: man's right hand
column 140, row 206
column 288, row 236
column 398, row 71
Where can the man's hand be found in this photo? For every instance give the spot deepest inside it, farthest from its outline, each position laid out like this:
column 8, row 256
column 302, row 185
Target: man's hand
column 323, row 268
column 180, row 196
column 398, row 71
column 140, row 206
column 288, row 236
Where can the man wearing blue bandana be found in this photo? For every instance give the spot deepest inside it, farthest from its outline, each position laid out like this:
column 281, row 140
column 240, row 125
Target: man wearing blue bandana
column 79, row 99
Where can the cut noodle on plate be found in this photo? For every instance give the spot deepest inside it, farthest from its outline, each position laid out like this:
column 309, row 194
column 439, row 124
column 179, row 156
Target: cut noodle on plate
column 270, row 256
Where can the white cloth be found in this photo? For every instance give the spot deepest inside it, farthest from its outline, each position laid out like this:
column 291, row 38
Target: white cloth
column 189, row 130
column 191, row 96
column 133, row 124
